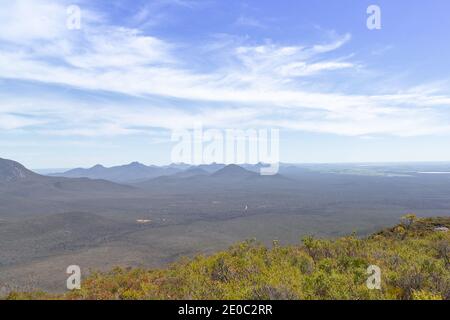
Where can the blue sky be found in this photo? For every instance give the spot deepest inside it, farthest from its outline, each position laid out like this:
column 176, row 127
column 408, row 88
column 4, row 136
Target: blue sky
column 113, row 91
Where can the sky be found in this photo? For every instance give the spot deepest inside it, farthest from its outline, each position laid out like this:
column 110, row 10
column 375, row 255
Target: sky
column 115, row 89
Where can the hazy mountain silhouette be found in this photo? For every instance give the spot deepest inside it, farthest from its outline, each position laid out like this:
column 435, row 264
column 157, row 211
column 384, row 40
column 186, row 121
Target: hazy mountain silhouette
column 13, row 171
column 21, row 187
column 191, row 172
column 135, row 173
column 132, row 172
column 211, row 168
column 234, row 171
column 229, row 177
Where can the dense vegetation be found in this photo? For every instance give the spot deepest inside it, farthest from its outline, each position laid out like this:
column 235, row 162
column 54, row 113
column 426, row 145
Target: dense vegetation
column 413, row 257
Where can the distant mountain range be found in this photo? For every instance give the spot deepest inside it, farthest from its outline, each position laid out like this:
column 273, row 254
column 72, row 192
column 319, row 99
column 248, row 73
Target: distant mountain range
column 17, row 182
column 137, row 172
column 133, row 172
column 204, row 179
column 154, row 194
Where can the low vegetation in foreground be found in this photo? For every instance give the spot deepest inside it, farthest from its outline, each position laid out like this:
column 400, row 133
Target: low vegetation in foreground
column 413, row 257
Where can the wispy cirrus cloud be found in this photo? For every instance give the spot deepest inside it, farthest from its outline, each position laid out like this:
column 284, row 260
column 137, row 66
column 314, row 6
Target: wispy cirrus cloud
column 154, row 13
column 251, row 84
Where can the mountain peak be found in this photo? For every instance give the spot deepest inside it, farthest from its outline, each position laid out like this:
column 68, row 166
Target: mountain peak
column 192, row 172
column 13, row 171
column 233, row 170
column 136, row 164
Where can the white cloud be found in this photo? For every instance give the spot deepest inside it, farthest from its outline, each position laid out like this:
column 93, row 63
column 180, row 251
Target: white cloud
column 301, row 69
column 122, row 48
column 323, row 48
column 256, row 85
column 25, row 20
column 11, row 122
